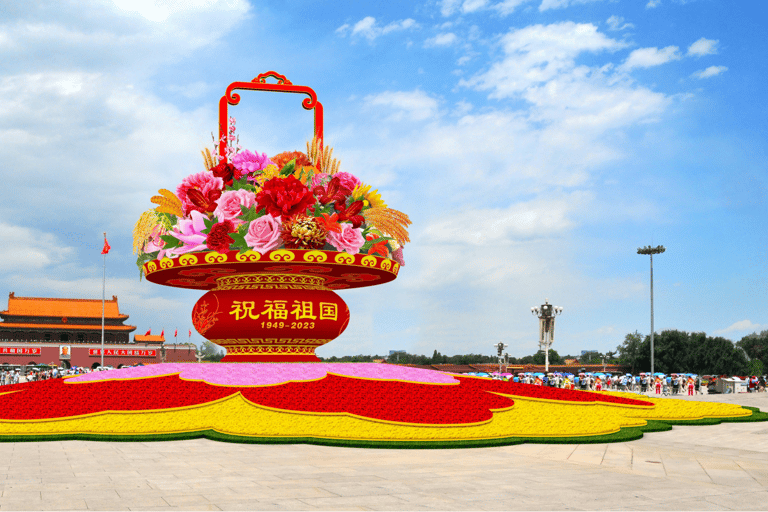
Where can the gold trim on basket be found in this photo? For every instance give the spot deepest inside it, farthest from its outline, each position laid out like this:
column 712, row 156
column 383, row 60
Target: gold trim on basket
column 270, row 281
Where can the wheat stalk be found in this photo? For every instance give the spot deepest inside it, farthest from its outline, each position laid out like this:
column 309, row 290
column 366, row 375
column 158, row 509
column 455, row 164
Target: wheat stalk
column 168, row 203
column 207, row 159
column 143, row 228
column 390, row 220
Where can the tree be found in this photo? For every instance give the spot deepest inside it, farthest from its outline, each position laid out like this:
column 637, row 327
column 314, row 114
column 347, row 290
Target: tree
column 554, row 357
column 673, row 352
column 631, row 352
column 211, row 352
column 756, row 347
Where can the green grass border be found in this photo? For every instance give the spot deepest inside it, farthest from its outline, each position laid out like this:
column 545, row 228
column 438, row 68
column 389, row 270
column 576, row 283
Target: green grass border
column 625, row 434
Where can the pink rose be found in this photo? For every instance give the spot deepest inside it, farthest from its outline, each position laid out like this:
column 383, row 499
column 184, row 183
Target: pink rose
column 228, row 206
column 349, row 240
column 264, row 234
column 347, row 180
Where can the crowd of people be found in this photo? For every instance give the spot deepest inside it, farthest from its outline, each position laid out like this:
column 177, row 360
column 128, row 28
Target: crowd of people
column 10, row 376
column 658, row 383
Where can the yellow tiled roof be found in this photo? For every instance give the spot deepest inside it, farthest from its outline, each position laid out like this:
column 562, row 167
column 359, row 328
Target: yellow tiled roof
column 76, row 308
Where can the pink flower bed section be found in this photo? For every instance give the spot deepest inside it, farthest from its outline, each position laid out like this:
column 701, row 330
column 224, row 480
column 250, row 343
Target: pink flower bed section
column 265, row 374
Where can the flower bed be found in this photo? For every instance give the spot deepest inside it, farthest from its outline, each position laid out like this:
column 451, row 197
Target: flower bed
column 363, row 404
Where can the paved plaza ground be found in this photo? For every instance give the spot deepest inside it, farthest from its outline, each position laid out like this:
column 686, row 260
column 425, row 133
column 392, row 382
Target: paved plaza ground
column 722, row 467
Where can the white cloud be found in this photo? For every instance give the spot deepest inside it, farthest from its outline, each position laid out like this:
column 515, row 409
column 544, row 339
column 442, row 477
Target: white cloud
column 448, row 7
column 539, row 53
column 649, row 57
column 710, row 72
column 30, row 249
column 415, row 105
column 703, row 47
column 561, row 4
column 446, row 39
column 368, row 28
column 742, row 325
column 542, row 217
column 616, row 23
column 507, row 7
column 652, row 4
column 473, row 5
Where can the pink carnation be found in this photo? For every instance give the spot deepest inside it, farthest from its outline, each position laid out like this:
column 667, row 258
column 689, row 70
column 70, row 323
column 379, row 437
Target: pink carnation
column 264, row 234
column 349, row 240
column 228, row 206
column 247, row 162
column 204, row 181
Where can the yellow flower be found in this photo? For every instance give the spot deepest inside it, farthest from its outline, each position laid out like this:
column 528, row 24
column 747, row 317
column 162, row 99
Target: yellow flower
column 370, row 198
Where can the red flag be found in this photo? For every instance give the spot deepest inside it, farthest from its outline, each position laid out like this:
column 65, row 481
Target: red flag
column 175, row 333
column 148, row 332
column 162, row 333
column 106, row 248
column 190, row 333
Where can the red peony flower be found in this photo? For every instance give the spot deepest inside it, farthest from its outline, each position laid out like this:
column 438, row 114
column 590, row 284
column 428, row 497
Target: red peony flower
column 226, row 172
column 284, row 197
column 218, row 238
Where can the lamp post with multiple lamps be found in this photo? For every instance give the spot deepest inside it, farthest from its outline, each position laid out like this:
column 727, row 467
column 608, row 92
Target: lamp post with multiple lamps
column 546, row 313
column 651, row 251
column 505, row 359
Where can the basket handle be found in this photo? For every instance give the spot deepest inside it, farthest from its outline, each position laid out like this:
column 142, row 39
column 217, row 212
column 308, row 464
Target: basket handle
column 260, row 84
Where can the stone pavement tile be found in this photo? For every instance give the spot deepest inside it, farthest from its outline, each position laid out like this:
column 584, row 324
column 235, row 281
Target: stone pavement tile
column 733, row 478
column 265, row 493
column 339, row 502
column 186, row 500
column 743, row 500
column 690, row 504
column 366, row 489
column 79, row 494
column 759, row 475
column 618, row 455
column 685, row 468
column 588, row 454
column 106, row 504
column 23, row 506
column 186, row 508
column 289, row 504
column 11, row 494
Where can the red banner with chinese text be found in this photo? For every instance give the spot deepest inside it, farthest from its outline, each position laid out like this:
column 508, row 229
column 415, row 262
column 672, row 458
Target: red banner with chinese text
column 122, row 352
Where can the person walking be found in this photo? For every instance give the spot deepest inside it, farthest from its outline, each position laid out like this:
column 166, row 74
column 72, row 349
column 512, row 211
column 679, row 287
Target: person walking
column 598, row 384
column 658, row 385
column 691, row 385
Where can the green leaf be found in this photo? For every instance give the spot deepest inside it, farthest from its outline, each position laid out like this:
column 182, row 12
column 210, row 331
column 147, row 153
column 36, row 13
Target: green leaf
column 208, row 225
column 242, row 184
column 239, row 241
column 250, row 214
column 168, row 219
column 288, row 168
column 171, row 242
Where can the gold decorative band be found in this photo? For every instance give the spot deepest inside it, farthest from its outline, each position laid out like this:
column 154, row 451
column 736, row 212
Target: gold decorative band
column 269, row 349
column 270, row 281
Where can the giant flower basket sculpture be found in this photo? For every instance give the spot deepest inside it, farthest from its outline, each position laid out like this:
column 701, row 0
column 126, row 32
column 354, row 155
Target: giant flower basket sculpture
column 271, row 238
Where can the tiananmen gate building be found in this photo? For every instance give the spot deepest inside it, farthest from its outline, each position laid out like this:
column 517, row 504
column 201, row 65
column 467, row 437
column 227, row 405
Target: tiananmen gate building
column 67, row 332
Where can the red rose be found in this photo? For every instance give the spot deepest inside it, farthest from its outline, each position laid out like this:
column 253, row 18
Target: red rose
column 218, row 238
column 284, row 197
column 225, row 171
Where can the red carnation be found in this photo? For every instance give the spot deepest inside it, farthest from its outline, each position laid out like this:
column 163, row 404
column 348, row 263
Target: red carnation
column 218, row 238
column 226, row 171
column 284, row 197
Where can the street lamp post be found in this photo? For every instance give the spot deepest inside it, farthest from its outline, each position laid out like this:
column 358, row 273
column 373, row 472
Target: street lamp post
column 546, row 313
column 651, row 251
column 500, row 348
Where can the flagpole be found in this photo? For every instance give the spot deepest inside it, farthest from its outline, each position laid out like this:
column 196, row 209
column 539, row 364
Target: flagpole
column 103, row 298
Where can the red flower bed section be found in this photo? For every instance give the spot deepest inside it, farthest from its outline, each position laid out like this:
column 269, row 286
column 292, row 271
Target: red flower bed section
column 403, row 402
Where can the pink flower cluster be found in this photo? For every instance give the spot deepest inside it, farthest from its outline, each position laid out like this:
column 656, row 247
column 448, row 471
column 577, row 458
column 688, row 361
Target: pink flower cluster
column 266, row 374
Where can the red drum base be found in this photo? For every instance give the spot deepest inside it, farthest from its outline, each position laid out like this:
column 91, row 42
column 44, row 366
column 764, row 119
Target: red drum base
column 270, row 317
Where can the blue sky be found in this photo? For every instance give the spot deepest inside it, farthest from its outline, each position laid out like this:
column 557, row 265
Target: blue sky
column 534, row 144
